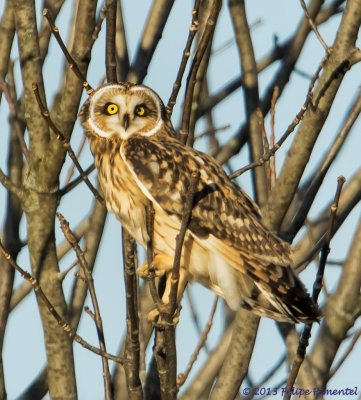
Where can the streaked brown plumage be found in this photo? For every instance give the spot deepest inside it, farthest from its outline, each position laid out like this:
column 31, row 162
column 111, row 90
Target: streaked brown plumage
column 227, row 248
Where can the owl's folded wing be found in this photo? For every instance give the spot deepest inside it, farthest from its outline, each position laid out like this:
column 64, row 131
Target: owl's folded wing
column 163, row 169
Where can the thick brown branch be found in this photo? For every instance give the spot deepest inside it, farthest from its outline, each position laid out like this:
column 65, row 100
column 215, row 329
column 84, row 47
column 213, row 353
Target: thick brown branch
column 132, row 346
column 121, row 47
column 65, row 142
column 110, row 60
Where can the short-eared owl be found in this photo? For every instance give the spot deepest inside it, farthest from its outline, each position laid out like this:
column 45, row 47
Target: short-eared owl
column 227, row 247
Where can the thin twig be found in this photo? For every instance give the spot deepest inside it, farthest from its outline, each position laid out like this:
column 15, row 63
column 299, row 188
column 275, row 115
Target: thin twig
column 272, row 161
column 265, row 157
column 194, row 314
column 192, row 76
column 185, row 56
column 71, row 185
column 306, row 334
column 201, row 343
column 71, row 62
column 64, row 325
column 99, row 23
column 63, row 274
column 212, row 131
column 314, row 27
column 77, row 155
column 73, row 241
column 65, row 142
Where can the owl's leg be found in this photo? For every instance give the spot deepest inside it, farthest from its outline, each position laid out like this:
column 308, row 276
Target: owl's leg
column 163, row 264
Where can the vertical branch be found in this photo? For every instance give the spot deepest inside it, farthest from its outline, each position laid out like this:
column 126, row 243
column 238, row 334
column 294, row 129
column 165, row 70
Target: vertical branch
column 121, row 48
column 251, row 95
column 185, row 56
column 192, row 76
column 11, row 241
column 151, row 35
column 110, row 59
column 7, row 31
column 306, row 334
column 201, row 75
column 90, row 282
column 132, row 346
column 165, row 347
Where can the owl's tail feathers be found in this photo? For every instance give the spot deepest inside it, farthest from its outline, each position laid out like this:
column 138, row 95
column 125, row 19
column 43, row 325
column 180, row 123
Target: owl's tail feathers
column 284, row 299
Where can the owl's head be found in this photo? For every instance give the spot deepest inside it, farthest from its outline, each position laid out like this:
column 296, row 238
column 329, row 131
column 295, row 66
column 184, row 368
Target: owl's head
column 123, row 109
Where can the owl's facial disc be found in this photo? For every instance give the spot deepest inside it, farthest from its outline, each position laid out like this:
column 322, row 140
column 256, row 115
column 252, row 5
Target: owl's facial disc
column 117, row 110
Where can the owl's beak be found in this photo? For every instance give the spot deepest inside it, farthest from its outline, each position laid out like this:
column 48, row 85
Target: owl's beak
column 126, row 121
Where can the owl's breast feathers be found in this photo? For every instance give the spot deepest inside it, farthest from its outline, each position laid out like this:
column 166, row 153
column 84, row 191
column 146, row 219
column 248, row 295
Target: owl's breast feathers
column 223, row 218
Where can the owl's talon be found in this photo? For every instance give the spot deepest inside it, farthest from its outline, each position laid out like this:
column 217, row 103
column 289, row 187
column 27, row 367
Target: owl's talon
column 155, row 317
column 147, row 273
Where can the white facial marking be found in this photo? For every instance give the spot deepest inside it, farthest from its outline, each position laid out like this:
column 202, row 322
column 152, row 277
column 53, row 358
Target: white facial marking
column 127, row 103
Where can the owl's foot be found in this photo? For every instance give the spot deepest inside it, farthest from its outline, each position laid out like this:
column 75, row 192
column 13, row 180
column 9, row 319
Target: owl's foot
column 161, row 264
column 156, row 315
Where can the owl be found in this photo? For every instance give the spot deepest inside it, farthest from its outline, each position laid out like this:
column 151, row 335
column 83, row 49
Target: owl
column 227, row 248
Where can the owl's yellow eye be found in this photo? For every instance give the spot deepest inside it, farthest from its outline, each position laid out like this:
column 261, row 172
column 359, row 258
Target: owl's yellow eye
column 140, row 111
column 111, row 109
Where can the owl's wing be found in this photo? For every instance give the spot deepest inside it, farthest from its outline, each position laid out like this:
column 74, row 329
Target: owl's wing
column 163, row 169
column 224, row 219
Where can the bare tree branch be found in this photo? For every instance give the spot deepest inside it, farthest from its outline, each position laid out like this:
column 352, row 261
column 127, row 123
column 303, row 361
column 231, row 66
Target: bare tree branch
column 110, row 60
column 185, row 56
